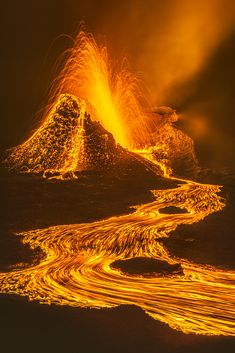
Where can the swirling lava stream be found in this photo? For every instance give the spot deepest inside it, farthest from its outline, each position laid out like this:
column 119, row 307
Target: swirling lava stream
column 76, row 269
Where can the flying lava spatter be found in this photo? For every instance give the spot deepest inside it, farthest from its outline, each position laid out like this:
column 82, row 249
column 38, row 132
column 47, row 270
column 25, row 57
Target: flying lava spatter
column 76, row 268
column 112, row 97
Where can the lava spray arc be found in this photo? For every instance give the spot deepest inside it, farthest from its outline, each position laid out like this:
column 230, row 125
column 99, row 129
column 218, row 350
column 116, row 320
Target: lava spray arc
column 114, row 96
column 88, row 84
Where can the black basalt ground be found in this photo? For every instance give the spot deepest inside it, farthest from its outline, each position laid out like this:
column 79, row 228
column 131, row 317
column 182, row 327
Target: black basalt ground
column 147, row 267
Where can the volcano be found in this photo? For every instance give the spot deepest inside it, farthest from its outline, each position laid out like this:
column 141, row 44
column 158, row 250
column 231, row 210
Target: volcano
column 96, row 117
column 110, row 252
column 68, row 141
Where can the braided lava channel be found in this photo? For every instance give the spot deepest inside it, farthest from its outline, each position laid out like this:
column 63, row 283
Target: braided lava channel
column 76, row 269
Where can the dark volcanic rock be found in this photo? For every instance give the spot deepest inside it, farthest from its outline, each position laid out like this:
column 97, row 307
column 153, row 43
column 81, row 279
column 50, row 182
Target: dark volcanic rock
column 172, row 209
column 174, row 145
column 148, row 267
column 100, row 147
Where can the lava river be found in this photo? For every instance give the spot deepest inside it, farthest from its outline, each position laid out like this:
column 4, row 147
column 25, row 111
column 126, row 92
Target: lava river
column 76, row 267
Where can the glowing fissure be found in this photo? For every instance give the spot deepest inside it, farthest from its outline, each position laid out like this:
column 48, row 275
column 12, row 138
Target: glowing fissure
column 76, row 267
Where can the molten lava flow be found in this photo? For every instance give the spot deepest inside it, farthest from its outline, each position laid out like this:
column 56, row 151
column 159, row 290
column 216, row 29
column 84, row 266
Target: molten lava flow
column 76, row 268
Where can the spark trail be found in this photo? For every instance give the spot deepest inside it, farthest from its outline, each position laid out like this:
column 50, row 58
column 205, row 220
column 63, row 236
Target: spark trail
column 76, row 269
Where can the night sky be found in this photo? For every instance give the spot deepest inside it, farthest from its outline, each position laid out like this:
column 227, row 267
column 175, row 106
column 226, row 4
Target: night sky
column 36, row 33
